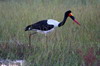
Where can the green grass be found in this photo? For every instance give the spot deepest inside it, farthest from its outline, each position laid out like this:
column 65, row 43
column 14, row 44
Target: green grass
column 62, row 44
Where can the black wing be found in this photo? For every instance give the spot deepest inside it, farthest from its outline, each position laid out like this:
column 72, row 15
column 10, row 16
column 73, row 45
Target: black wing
column 42, row 25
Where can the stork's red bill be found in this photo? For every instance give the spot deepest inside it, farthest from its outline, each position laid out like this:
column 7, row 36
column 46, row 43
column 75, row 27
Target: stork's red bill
column 73, row 18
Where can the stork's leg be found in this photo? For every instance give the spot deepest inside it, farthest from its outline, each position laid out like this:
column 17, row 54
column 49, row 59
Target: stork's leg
column 30, row 38
column 46, row 40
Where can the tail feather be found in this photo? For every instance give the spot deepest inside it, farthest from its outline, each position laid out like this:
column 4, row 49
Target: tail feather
column 28, row 28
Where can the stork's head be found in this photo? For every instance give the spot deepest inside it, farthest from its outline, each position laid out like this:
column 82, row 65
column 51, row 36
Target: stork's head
column 69, row 14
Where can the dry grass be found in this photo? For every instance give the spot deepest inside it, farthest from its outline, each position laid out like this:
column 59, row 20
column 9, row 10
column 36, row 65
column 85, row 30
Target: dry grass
column 62, row 44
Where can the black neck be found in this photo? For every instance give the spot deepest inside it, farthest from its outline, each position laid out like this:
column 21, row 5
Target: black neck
column 63, row 21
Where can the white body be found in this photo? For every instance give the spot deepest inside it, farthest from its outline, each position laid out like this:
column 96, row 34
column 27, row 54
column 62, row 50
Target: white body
column 50, row 22
column 53, row 22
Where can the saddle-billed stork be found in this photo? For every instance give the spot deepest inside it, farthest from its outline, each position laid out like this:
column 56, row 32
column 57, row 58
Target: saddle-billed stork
column 45, row 26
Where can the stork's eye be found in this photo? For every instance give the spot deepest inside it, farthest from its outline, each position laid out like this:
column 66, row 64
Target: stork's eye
column 70, row 14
